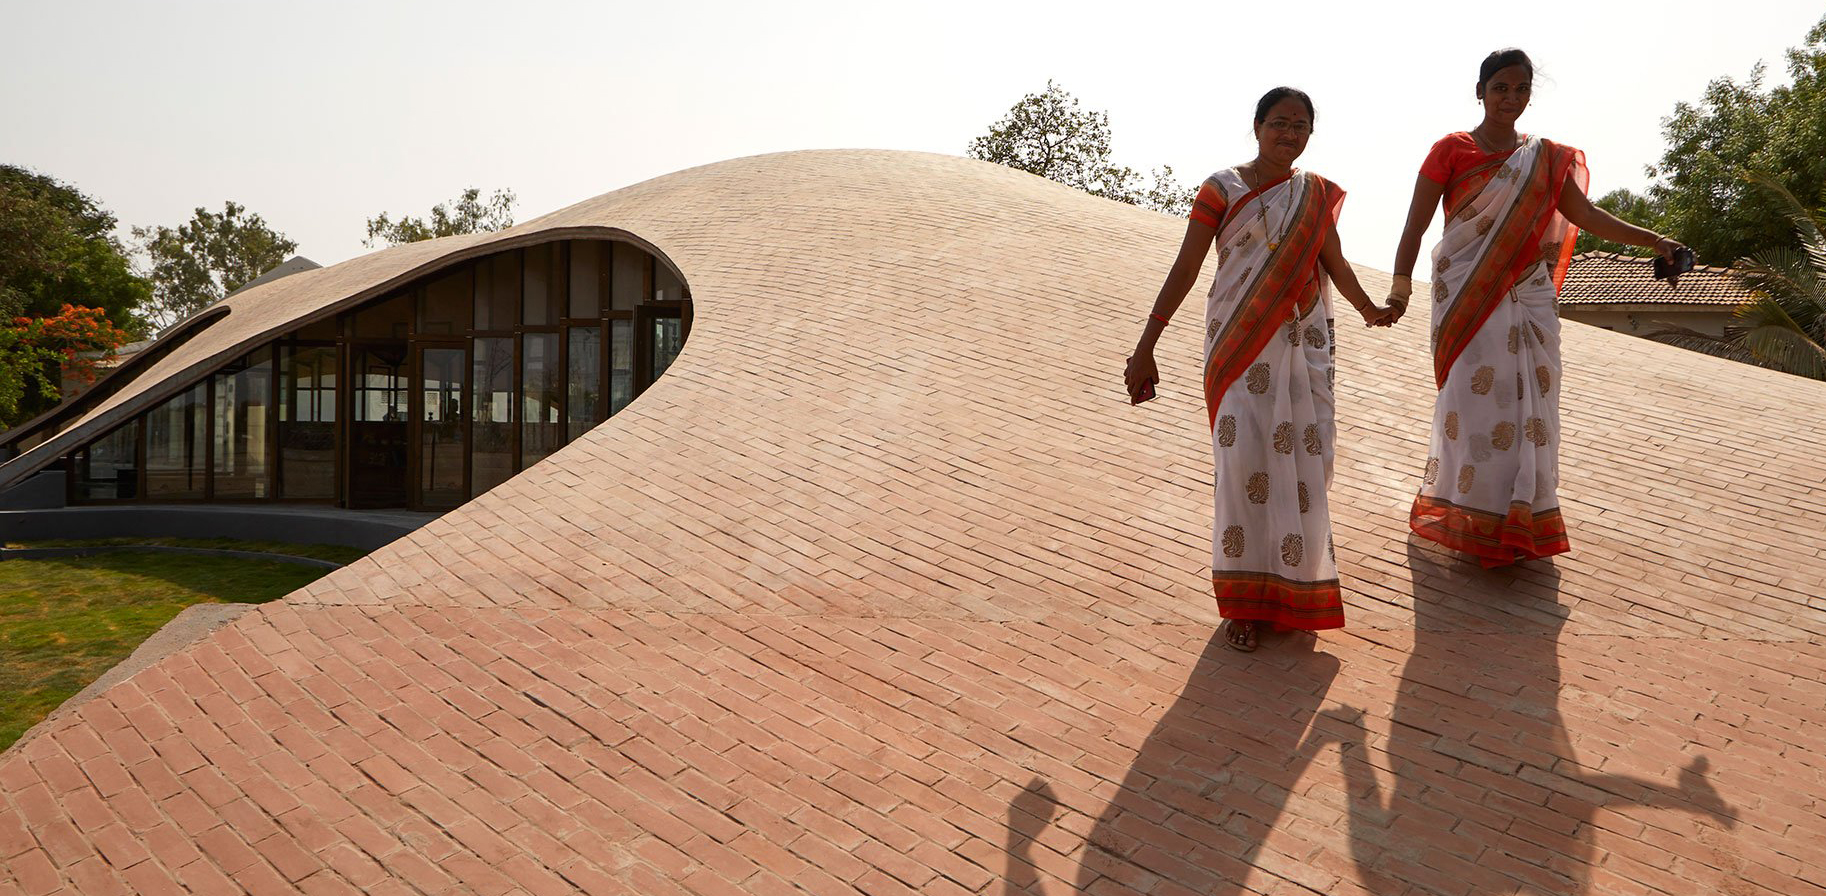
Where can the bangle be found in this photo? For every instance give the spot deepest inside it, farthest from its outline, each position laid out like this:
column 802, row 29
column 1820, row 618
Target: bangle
column 1163, row 321
column 1403, row 285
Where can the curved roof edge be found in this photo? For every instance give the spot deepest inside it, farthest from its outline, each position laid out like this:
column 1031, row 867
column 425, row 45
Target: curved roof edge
column 99, row 420
column 118, row 378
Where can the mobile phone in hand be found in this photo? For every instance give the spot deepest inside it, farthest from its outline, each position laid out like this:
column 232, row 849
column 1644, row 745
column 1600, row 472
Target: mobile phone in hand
column 1682, row 263
column 1147, row 394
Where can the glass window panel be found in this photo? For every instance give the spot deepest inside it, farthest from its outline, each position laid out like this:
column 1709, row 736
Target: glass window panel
column 666, row 285
column 491, row 458
column 175, row 438
column 108, row 470
column 380, row 385
column 584, row 380
column 498, row 291
column 540, row 429
column 631, row 269
column 445, row 304
column 668, row 337
column 377, row 433
column 387, row 318
column 441, row 436
column 243, row 401
column 542, row 285
column 621, row 364
column 587, row 278
column 307, row 422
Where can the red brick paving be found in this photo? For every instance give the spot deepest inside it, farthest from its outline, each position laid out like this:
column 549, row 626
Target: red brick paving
column 884, row 589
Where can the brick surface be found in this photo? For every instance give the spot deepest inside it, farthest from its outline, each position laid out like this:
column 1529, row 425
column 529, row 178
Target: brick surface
column 883, row 588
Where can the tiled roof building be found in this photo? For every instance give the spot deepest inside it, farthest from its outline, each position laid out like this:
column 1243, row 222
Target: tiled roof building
column 884, row 588
column 1620, row 292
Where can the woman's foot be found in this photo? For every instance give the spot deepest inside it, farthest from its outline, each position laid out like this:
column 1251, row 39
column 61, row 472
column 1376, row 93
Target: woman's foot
column 1240, row 634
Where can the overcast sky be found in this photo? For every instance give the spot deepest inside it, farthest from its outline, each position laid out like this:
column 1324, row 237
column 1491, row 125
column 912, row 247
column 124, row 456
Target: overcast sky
column 320, row 115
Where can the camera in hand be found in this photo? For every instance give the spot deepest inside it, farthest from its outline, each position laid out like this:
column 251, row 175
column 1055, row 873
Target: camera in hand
column 1683, row 262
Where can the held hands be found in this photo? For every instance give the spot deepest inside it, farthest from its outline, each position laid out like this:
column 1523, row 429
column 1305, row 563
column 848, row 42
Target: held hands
column 1379, row 316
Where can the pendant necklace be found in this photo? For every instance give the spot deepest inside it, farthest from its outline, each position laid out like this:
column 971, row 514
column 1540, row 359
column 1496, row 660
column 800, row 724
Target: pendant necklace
column 1261, row 210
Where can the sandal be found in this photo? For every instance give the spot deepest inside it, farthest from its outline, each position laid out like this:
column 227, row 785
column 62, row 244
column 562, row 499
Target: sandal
column 1230, row 630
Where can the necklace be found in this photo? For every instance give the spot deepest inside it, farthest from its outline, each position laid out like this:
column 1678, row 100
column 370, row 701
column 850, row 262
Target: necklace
column 1261, row 211
column 1488, row 146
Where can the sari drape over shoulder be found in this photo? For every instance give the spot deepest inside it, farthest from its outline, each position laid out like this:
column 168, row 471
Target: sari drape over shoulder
column 1268, row 390
column 1490, row 485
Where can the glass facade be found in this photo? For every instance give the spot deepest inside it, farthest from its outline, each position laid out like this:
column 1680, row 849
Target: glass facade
column 307, row 421
column 423, row 397
column 242, row 427
column 176, row 434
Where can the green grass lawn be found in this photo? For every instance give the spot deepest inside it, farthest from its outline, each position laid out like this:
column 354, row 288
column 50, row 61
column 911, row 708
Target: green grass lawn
column 64, row 622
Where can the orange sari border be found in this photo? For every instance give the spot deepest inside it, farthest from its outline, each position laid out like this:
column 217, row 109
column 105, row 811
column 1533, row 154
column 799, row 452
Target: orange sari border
column 1513, row 250
column 1266, row 597
column 1522, row 534
column 1289, row 280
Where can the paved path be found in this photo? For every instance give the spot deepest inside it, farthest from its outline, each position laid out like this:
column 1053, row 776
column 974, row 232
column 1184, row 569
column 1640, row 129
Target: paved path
column 883, row 589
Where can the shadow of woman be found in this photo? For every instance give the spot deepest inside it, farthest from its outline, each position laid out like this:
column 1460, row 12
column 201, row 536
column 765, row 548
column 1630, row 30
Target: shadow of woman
column 1208, row 784
column 1488, row 795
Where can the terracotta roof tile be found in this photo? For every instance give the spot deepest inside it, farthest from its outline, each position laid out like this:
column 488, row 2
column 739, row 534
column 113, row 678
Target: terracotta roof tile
column 883, row 586
column 1607, row 278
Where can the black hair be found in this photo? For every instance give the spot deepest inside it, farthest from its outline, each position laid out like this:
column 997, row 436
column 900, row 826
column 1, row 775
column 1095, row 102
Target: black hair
column 1278, row 94
column 1499, row 60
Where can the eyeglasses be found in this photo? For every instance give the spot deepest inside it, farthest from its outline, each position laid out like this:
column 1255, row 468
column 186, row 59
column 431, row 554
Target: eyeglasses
column 1282, row 124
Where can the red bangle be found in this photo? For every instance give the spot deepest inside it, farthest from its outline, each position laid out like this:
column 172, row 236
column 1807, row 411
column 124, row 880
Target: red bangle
column 1163, row 321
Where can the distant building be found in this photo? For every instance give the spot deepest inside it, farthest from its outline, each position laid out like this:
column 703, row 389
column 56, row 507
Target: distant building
column 1620, row 292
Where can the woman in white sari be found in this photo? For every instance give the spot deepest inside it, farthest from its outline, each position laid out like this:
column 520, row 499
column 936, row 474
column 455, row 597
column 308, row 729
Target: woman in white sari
column 1268, row 373
column 1514, row 204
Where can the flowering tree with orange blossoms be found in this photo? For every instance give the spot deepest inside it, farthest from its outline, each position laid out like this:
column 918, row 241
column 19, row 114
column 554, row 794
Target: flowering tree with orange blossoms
column 37, row 353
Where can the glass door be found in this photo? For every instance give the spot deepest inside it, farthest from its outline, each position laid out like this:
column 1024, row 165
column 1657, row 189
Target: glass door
column 377, row 429
column 437, row 409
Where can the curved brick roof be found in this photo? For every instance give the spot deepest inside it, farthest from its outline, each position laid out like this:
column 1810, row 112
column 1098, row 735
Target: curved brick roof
column 884, row 588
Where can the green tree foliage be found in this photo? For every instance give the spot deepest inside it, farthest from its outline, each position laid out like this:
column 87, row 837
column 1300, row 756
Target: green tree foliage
column 200, row 262
column 469, row 214
column 57, row 247
column 1700, row 196
column 1784, row 326
column 1049, row 135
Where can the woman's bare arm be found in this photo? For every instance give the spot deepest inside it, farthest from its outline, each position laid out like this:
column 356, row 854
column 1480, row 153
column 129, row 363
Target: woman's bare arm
column 1192, row 251
column 1420, row 216
column 1331, row 256
column 1577, row 208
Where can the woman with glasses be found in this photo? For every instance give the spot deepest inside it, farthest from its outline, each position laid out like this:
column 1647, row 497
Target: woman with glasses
column 1268, row 373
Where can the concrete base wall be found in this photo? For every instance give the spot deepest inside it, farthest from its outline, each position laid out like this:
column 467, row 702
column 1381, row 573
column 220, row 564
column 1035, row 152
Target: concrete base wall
column 42, row 491
column 291, row 524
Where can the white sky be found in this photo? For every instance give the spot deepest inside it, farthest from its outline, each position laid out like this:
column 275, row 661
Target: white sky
column 321, row 115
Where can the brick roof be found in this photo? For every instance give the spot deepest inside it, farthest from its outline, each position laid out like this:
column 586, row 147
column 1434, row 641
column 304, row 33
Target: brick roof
column 1607, row 278
column 903, row 597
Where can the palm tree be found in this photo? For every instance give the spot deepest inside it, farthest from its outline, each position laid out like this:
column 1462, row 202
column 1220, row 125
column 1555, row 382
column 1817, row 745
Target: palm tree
column 1784, row 326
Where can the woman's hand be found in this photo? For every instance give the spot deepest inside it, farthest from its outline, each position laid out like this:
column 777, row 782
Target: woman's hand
column 1380, row 316
column 1666, row 247
column 1141, row 376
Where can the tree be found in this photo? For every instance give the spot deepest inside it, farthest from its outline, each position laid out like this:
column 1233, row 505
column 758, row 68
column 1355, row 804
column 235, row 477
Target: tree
column 1629, row 206
column 470, row 215
column 202, row 261
column 1699, row 195
column 1048, row 135
column 57, row 247
column 1784, row 326
column 38, row 353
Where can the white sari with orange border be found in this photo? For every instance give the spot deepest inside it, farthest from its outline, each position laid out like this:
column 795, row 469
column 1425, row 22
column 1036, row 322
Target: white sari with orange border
column 1268, row 389
column 1490, row 485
